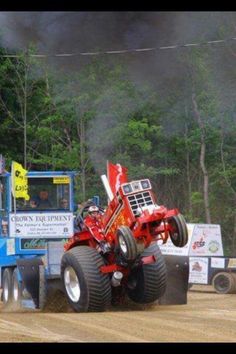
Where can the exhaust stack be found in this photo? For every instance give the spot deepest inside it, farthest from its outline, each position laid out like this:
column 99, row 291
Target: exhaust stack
column 107, row 187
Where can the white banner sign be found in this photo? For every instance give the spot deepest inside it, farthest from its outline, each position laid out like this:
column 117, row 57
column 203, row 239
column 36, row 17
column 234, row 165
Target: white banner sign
column 206, row 241
column 217, row 262
column 198, row 270
column 45, row 225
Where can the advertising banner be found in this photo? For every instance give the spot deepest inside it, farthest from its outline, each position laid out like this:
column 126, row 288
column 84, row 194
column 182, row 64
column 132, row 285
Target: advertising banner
column 38, row 225
column 19, row 181
column 206, row 241
column 30, row 244
column 217, row 262
column 232, row 263
column 198, row 270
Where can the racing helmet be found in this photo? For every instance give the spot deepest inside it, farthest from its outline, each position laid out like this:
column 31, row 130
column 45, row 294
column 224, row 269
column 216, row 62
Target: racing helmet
column 93, row 209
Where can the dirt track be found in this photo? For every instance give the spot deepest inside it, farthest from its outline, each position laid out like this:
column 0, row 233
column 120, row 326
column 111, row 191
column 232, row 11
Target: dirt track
column 208, row 317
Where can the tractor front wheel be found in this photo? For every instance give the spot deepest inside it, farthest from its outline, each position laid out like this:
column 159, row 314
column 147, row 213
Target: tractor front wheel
column 127, row 243
column 147, row 283
column 179, row 231
column 86, row 288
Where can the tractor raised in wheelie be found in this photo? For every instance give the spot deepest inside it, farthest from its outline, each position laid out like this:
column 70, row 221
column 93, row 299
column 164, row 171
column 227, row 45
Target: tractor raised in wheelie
column 115, row 251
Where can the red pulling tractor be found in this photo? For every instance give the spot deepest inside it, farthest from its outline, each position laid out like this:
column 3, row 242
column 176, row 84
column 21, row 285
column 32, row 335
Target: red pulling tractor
column 115, row 252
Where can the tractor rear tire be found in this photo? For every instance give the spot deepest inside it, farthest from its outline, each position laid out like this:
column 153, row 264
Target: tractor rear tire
column 149, row 280
column 224, row 283
column 7, row 286
column 85, row 286
column 179, row 236
column 127, row 243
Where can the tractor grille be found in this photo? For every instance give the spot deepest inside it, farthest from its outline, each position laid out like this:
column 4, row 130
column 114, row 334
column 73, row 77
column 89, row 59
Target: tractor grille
column 139, row 200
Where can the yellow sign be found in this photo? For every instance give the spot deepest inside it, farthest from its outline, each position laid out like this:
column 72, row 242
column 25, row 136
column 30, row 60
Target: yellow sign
column 232, row 263
column 61, row 180
column 19, row 181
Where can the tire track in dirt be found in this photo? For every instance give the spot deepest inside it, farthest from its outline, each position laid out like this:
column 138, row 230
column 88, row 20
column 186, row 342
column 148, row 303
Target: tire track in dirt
column 208, row 317
column 39, row 333
column 101, row 327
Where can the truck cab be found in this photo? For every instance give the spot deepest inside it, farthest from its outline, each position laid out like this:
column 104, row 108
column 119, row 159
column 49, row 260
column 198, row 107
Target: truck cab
column 26, row 226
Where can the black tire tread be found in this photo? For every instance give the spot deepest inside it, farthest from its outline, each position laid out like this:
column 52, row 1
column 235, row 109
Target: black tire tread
column 183, row 231
column 98, row 284
column 7, row 272
column 231, row 289
column 153, row 278
column 16, row 304
column 131, row 242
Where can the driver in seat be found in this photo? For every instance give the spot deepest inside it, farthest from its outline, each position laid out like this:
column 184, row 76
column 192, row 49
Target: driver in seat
column 94, row 222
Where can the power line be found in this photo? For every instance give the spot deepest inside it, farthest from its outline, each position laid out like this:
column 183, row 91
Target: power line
column 134, row 50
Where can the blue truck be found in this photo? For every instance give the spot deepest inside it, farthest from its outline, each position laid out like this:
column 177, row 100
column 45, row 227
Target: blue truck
column 26, row 229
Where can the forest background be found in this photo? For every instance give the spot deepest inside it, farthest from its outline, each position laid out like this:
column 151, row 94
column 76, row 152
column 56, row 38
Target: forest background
column 171, row 118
